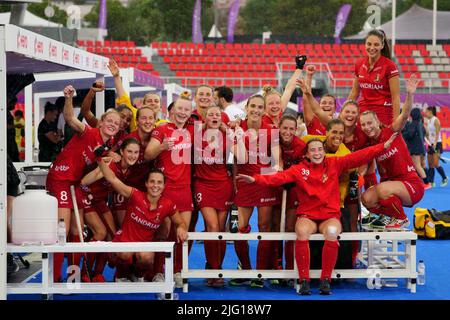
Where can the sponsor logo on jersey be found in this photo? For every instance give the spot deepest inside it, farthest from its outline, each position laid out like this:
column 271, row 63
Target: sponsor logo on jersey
column 371, row 86
column 268, row 199
column 144, row 222
column 411, row 168
column 62, row 168
column 388, row 154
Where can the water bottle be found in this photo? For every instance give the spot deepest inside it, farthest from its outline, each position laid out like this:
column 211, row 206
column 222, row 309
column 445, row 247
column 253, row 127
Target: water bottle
column 61, row 232
column 421, row 273
column 234, row 219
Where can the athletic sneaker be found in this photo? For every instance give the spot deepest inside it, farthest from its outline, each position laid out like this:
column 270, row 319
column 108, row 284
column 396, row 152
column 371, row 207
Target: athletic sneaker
column 368, row 219
column 178, row 280
column 380, row 223
column 136, row 279
column 305, row 289
column 433, row 184
column 444, row 182
column 427, row 186
column 12, row 265
column 215, row 283
column 159, row 277
column 397, row 224
column 257, row 283
column 239, row 282
column 324, row 287
column 85, row 278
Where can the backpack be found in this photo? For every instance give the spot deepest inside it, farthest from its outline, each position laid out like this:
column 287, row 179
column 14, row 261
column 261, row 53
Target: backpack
column 432, row 223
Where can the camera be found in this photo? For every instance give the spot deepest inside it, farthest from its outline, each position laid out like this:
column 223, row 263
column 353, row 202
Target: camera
column 103, row 149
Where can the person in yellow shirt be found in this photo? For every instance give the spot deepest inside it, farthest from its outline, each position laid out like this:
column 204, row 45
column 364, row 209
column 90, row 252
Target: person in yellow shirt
column 19, row 124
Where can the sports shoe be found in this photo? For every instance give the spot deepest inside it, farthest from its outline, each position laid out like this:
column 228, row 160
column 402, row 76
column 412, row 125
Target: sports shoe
column 305, row 289
column 136, row 279
column 433, row 184
column 239, row 282
column 257, row 283
column 85, row 278
column 444, row 182
column 427, row 186
column 324, row 287
column 397, row 224
column 178, row 280
column 368, row 219
column 380, row 223
column 159, row 277
column 215, row 283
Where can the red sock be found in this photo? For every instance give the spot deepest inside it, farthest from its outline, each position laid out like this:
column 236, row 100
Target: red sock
column 263, row 255
column 329, row 257
column 212, row 253
column 141, row 269
column 122, row 268
column 58, row 260
column 370, row 179
column 355, row 250
column 289, row 254
column 91, row 256
column 394, row 207
column 241, row 248
column 302, row 257
column 75, row 257
column 100, row 262
column 158, row 264
column 223, row 249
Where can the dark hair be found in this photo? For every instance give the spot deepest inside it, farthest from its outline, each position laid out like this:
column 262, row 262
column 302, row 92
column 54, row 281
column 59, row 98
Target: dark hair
column 301, row 115
column 313, row 140
column 156, row 170
column 432, row 109
column 170, row 106
column 49, row 107
column 348, row 103
column 18, row 113
column 334, row 122
column 386, row 51
column 128, row 141
column 328, row 95
column 288, row 117
column 254, row 96
column 138, row 113
column 123, row 107
column 225, row 92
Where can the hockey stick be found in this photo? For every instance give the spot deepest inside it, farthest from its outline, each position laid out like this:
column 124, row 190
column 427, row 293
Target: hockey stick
column 80, row 231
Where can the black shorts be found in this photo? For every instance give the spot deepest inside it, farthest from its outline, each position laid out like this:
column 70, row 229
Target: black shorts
column 12, row 190
column 438, row 149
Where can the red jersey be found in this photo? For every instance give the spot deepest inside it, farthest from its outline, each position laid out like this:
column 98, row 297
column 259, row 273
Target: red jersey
column 223, row 116
column 293, row 153
column 359, row 140
column 268, row 121
column 258, row 150
column 374, row 86
column 175, row 163
column 395, row 163
column 141, row 222
column 210, row 160
column 315, row 127
column 119, row 137
column 317, row 185
column 101, row 188
column 77, row 155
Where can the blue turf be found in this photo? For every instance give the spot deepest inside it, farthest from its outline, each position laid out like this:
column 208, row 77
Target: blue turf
column 435, row 253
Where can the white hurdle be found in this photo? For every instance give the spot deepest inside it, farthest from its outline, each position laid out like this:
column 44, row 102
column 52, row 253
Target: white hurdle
column 47, row 287
column 400, row 269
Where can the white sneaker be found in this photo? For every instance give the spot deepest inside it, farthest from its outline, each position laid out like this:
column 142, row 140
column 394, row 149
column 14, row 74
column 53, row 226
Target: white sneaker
column 178, row 280
column 136, row 279
column 159, row 277
column 122, row 280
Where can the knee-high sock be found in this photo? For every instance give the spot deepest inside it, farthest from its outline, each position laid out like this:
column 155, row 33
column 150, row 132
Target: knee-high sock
column 90, row 256
column 302, row 257
column 223, row 249
column 370, row 180
column 122, row 267
column 355, row 250
column 74, row 258
column 441, row 172
column 178, row 252
column 158, row 265
column 289, row 254
column 391, row 206
column 263, row 255
column 58, row 260
column 431, row 175
column 100, row 262
column 241, row 248
column 329, row 257
column 141, row 269
column 212, row 253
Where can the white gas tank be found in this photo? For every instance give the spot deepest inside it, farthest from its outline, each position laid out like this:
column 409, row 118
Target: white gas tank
column 34, row 217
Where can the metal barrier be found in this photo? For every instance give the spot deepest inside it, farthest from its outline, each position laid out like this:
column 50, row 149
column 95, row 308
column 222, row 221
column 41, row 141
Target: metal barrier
column 47, row 287
column 384, row 264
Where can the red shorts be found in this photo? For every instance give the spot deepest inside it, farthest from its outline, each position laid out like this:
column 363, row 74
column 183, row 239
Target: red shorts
column 291, row 199
column 61, row 190
column 255, row 195
column 415, row 189
column 320, row 218
column 181, row 196
column 122, row 237
column 217, row 195
column 120, row 203
column 95, row 205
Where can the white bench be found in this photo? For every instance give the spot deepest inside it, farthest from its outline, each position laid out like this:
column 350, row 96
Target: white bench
column 371, row 257
column 47, row 287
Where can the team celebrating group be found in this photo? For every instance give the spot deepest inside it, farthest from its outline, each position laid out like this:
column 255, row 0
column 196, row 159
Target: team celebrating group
column 140, row 178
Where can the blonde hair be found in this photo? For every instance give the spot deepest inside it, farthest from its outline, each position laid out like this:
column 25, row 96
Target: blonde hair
column 150, row 94
column 268, row 90
column 110, row 111
column 139, row 111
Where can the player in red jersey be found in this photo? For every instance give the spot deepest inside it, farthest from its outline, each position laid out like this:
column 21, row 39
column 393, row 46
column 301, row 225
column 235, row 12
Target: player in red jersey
column 170, row 146
column 327, row 103
column 292, row 152
column 71, row 163
column 145, row 213
column 317, row 185
column 400, row 184
column 97, row 214
column 377, row 79
column 204, row 98
column 261, row 153
column 213, row 187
